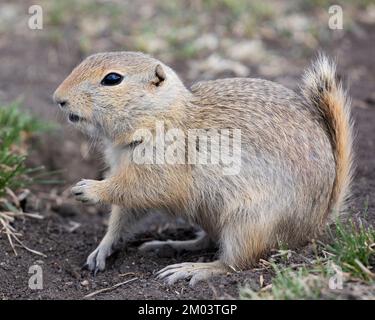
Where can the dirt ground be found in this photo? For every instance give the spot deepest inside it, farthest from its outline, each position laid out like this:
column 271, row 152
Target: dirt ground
column 31, row 67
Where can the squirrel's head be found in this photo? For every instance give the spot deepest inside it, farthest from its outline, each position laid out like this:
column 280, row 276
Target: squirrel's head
column 112, row 93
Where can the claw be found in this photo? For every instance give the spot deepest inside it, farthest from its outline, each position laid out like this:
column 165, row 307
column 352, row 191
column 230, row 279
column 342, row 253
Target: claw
column 85, row 192
column 96, row 271
column 196, row 272
column 85, row 266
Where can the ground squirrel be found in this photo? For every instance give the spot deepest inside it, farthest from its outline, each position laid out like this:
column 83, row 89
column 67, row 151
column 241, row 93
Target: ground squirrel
column 295, row 156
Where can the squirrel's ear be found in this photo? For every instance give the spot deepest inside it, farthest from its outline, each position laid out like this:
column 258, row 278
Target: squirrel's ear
column 159, row 76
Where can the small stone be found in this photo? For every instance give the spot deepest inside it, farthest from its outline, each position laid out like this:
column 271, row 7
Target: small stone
column 85, row 283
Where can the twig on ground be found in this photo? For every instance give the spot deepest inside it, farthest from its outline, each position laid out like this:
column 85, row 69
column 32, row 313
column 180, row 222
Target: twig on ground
column 127, row 274
column 92, row 294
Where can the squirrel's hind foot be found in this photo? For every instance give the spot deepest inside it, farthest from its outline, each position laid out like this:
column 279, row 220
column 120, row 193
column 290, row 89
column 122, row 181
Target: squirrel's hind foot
column 196, row 272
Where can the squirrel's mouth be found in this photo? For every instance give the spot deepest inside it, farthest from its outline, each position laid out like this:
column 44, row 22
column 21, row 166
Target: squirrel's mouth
column 74, row 117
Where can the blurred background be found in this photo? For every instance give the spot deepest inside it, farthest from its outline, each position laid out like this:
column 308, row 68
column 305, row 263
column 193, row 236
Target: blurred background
column 200, row 39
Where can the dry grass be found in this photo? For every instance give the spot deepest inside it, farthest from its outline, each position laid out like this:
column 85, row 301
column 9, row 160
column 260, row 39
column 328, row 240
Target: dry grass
column 15, row 128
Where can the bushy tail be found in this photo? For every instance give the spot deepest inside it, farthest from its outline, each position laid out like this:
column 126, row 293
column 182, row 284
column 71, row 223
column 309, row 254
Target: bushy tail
column 321, row 88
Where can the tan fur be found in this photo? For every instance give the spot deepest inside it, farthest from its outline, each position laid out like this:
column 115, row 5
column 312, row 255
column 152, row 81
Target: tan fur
column 322, row 88
column 296, row 157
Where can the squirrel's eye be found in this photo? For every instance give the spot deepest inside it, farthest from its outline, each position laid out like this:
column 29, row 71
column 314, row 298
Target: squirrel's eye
column 111, row 79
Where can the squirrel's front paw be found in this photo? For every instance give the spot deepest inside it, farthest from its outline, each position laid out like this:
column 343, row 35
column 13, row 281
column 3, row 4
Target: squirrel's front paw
column 96, row 260
column 86, row 191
